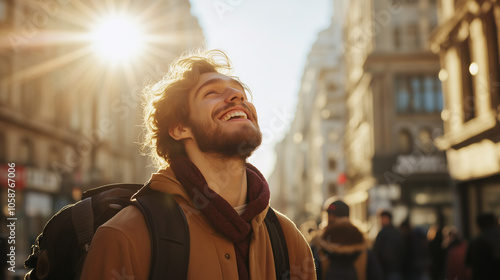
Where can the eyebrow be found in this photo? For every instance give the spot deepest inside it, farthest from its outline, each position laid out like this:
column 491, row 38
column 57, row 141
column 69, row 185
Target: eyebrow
column 216, row 81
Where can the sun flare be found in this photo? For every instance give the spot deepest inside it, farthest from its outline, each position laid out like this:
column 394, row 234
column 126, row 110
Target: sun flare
column 118, row 37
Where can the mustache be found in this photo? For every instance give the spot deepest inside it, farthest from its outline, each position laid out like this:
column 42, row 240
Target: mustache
column 229, row 106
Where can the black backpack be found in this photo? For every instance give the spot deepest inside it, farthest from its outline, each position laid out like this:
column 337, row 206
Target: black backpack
column 60, row 250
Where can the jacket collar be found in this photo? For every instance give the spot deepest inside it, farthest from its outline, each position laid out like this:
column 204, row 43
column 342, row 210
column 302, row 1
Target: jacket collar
column 165, row 181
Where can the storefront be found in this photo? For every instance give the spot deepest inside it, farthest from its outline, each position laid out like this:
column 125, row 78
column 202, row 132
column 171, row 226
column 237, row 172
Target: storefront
column 414, row 187
column 477, row 197
column 35, row 192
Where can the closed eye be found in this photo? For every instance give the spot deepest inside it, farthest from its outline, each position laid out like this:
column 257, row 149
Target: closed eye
column 209, row 93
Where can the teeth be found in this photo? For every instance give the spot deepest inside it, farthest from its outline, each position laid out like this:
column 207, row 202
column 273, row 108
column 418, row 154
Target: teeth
column 234, row 114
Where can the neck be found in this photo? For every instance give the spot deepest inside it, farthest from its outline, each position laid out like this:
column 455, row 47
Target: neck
column 226, row 176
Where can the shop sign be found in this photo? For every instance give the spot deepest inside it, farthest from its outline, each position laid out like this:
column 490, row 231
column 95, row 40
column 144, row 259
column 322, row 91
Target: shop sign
column 43, row 180
column 413, row 164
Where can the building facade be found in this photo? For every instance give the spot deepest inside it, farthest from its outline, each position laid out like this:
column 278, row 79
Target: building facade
column 393, row 104
column 70, row 119
column 310, row 157
column 467, row 41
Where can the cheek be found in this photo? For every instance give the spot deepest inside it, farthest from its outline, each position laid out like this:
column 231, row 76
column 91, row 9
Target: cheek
column 254, row 111
column 201, row 111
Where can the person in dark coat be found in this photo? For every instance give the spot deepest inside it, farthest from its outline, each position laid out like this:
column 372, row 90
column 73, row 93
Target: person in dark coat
column 437, row 252
column 417, row 260
column 341, row 252
column 483, row 254
column 389, row 248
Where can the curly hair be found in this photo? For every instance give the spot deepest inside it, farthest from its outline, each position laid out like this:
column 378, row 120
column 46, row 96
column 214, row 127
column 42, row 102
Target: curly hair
column 166, row 102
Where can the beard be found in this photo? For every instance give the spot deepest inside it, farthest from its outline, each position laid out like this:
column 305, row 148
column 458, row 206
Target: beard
column 239, row 144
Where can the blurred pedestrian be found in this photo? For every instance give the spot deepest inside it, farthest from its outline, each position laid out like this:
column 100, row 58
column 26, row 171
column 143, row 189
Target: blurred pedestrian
column 483, row 254
column 416, row 261
column 3, row 256
column 338, row 211
column 389, row 247
column 456, row 248
column 342, row 253
column 437, row 252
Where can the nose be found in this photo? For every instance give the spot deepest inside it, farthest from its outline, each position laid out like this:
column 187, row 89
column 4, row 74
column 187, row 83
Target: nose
column 234, row 95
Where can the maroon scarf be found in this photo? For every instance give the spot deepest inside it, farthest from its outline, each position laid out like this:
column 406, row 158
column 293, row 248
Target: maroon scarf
column 219, row 212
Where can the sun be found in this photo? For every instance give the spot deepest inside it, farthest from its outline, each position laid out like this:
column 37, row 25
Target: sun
column 118, row 37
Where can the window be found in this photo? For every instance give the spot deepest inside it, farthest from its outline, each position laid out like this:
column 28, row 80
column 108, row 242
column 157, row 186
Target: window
column 491, row 30
column 331, row 86
column 75, row 116
column 416, row 88
column 396, row 33
column 332, row 163
column 404, row 142
column 468, row 96
column 62, row 111
column 3, row 148
column 432, row 95
column 439, row 94
column 30, row 91
column 425, row 141
column 420, row 94
column 53, row 156
column 413, row 36
column 5, row 71
column 402, row 95
column 26, row 153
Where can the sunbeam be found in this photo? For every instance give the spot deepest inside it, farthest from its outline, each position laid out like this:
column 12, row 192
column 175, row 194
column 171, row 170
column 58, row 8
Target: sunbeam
column 50, row 65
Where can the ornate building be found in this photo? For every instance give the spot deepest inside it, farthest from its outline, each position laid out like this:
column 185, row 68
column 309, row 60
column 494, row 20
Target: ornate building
column 70, row 118
column 393, row 105
column 467, row 41
column 310, row 157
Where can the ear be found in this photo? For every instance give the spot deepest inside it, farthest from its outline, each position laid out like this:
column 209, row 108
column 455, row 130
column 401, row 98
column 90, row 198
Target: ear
column 180, row 132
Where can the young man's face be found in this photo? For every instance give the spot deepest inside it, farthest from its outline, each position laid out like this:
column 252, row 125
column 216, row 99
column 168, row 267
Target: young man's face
column 222, row 119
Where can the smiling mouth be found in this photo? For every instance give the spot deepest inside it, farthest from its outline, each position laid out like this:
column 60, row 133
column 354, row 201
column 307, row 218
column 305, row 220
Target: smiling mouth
column 234, row 115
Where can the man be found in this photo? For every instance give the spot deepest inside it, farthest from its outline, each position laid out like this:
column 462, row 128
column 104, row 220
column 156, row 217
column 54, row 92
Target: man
column 341, row 252
column 201, row 129
column 389, row 248
column 483, row 254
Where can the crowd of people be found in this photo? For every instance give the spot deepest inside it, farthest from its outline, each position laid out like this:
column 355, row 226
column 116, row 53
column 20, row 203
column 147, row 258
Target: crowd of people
column 341, row 250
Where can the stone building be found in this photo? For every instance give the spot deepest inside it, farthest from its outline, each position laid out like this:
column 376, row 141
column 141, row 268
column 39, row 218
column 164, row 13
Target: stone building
column 467, row 41
column 393, row 106
column 70, row 118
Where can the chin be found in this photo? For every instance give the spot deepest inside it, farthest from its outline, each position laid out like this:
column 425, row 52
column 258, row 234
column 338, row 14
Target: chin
column 238, row 144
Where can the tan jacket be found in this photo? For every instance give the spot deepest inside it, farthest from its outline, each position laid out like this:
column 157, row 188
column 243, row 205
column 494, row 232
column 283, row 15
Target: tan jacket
column 121, row 247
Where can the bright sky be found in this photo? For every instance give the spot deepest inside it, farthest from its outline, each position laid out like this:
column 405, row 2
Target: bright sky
column 268, row 42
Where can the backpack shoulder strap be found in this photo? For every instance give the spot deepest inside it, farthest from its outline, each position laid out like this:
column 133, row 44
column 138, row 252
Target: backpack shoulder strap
column 169, row 233
column 278, row 243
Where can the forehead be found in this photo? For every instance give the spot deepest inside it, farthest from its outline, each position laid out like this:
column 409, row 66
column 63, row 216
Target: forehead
column 213, row 78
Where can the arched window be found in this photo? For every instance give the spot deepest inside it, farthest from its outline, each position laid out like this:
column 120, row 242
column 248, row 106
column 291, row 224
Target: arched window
column 425, row 140
column 404, row 142
column 27, row 153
